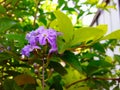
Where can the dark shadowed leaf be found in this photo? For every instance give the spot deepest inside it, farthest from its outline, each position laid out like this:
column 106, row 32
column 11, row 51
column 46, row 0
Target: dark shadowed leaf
column 19, row 39
column 116, row 88
column 58, row 67
column 2, row 10
column 24, row 79
column 12, row 72
column 71, row 59
column 56, row 85
column 9, row 84
column 4, row 56
column 99, row 47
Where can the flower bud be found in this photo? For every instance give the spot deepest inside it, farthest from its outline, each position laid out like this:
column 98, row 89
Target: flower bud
column 36, row 66
column 36, row 71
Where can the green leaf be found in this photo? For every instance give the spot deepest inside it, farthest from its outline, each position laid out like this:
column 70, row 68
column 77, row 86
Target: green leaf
column 100, row 71
column 9, row 84
column 62, row 46
column 12, row 72
column 4, row 56
column 113, row 35
column 19, row 39
column 116, row 87
column 61, row 2
column 71, row 59
column 86, row 34
column 100, row 63
column 14, row 2
column 24, row 79
column 99, row 67
column 104, row 27
column 2, row 9
column 99, row 47
column 91, row 2
column 54, row 25
column 6, row 24
column 29, row 87
column 58, row 67
column 65, row 25
column 56, row 85
column 117, row 58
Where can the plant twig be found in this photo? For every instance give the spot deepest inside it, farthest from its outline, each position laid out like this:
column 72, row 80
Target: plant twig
column 35, row 15
column 95, row 18
column 81, row 80
column 114, row 79
column 43, row 83
column 95, row 78
column 2, row 1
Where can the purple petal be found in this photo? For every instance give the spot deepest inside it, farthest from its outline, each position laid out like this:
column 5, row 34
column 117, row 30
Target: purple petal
column 53, row 48
column 27, row 49
column 32, row 33
column 40, row 30
column 42, row 40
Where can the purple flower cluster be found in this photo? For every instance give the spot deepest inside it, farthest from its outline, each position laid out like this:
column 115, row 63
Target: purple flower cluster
column 40, row 36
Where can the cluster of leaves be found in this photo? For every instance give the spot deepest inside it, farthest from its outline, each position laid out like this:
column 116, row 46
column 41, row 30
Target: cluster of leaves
column 81, row 62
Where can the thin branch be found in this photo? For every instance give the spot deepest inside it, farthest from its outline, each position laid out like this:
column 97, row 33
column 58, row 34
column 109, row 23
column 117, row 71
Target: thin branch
column 95, row 78
column 43, row 70
column 17, row 2
column 2, row 1
column 114, row 79
column 68, row 86
column 98, row 13
column 35, row 15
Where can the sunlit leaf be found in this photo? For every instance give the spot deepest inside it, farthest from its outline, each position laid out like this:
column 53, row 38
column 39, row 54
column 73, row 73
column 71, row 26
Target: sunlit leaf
column 86, row 34
column 62, row 46
column 54, row 25
column 113, row 35
column 65, row 25
column 103, row 27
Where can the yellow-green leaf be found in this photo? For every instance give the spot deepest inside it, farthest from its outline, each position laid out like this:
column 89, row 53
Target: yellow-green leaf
column 113, row 35
column 65, row 25
column 86, row 34
column 103, row 27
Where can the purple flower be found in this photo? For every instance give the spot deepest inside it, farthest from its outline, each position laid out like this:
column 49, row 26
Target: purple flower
column 49, row 36
column 53, row 48
column 40, row 30
column 41, row 36
column 28, row 48
column 31, row 37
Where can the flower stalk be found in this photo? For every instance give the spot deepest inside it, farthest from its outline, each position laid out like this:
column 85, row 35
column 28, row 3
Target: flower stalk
column 43, row 76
